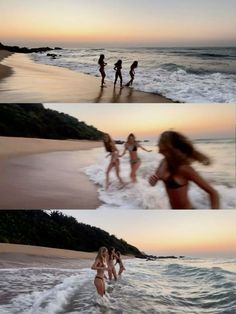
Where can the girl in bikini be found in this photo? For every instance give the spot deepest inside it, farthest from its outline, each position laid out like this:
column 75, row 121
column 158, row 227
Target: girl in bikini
column 102, row 65
column 100, row 266
column 176, row 172
column 114, row 162
column 132, row 73
column 117, row 68
column 132, row 146
column 110, row 262
column 119, row 261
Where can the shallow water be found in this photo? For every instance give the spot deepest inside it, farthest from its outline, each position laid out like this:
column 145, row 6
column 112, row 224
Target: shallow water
column 181, row 286
column 221, row 174
column 182, row 74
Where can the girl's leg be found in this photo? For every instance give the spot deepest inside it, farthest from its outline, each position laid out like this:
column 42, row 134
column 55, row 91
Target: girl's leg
column 107, row 174
column 114, row 273
column 110, row 273
column 116, row 77
column 99, row 284
column 117, row 167
column 121, row 80
column 134, row 168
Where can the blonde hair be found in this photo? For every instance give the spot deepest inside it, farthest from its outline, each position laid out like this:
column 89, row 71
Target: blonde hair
column 100, row 254
column 182, row 150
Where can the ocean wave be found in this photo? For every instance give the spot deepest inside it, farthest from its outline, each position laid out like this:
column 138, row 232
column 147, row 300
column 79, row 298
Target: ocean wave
column 158, row 72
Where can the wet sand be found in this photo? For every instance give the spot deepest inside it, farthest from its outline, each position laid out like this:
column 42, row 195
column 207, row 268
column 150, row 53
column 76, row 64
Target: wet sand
column 31, row 82
column 5, row 71
column 32, row 178
column 17, row 255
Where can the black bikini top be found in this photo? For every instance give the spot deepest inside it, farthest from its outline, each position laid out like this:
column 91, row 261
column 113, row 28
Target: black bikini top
column 172, row 184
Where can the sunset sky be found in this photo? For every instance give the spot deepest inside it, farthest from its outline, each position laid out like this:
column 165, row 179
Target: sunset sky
column 149, row 120
column 191, row 233
column 77, row 23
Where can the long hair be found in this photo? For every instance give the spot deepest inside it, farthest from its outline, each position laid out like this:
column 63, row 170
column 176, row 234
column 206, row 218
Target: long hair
column 134, row 64
column 101, row 59
column 129, row 136
column 118, row 63
column 181, row 150
column 108, row 144
column 100, row 254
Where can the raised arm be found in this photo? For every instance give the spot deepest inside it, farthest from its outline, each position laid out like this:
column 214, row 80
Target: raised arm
column 143, row 148
column 96, row 267
column 192, row 175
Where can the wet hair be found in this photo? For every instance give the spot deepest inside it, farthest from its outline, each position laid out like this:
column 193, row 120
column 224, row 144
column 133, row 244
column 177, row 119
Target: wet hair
column 181, row 149
column 134, row 64
column 101, row 59
column 118, row 63
column 100, row 257
column 108, row 144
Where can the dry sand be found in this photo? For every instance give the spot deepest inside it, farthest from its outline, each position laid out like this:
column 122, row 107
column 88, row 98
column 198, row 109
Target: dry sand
column 31, row 82
column 18, row 146
column 5, row 71
column 46, row 174
column 17, row 255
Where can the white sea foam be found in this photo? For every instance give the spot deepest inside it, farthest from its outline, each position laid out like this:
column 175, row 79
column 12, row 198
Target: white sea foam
column 183, row 75
column 177, row 286
column 143, row 196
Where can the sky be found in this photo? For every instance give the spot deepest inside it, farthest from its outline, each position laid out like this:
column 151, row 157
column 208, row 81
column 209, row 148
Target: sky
column 147, row 121
column 203, row 233
column 112, row 23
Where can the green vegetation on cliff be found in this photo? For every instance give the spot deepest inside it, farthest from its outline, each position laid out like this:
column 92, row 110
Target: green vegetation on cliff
column 33, row 120
column 56, row 230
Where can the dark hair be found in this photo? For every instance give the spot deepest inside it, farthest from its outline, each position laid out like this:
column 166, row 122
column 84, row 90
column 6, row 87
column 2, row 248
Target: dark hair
column 108, row 144
column 118, row 63
column 131, row 134
column 182, row 150
column 101, row 58
column 134, row 64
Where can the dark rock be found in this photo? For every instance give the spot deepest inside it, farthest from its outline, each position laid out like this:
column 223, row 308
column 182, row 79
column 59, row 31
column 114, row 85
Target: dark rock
column 25, row 49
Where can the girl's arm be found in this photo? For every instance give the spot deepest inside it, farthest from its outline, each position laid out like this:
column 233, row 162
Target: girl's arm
column 156, row 176
column 146, row 150
column 192, row 175
column 125, row 149
column 96, row 267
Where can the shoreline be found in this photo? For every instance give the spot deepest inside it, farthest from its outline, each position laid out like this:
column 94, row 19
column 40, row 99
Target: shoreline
column 11, row 146
column 5, row 71
column 27, row 256
column 46, row 174
column 33, row 82
column 21, row 256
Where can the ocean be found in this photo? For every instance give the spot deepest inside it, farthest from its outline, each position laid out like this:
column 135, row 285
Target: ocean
column 194, row 75
column 221, row 174
column 181, row 286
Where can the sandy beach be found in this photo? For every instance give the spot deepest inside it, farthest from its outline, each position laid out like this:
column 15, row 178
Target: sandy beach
column 30, row 82
column 5, row 71
column 45, row 174
column 17, row 255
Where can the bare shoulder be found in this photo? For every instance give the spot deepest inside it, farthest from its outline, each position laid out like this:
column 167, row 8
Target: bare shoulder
column 187, row 171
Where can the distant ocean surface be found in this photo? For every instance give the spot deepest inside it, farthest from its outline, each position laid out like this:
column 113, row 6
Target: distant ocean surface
column 221, row 174
column 183, row 286
column 182, row 74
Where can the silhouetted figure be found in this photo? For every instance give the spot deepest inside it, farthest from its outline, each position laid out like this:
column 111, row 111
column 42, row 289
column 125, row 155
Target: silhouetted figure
column 101, row 69
column 117, row 68
column 134, row 65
